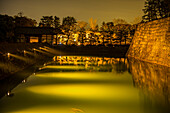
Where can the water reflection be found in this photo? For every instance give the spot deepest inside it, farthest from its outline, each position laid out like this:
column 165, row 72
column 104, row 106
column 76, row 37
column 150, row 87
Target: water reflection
column 103, row 64
column 92, row 85
column 154, row 83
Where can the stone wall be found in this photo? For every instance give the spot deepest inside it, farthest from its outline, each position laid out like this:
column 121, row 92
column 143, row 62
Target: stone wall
column 151, row 42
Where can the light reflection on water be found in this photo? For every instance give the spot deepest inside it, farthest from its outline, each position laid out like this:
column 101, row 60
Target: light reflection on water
column 72, row 84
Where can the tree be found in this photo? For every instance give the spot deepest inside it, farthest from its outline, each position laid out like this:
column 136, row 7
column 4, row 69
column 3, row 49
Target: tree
column 119, row 21
column 122, row 31
column 93, row 24
column 164, row 8
column 155, row 9
column 107, row 30
column 50, row 21
column 7, row 28
column 23, row 21
column 46, row 21
column 81, row 28
column 150, row 10
column 93, row 28
column 68, row 25
column 56, row 22
column 137, row 20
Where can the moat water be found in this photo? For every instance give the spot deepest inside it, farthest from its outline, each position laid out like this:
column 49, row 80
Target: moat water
column 81, row 84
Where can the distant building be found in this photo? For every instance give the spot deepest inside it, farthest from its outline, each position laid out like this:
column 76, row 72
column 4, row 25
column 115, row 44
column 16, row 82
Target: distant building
column 36, row 34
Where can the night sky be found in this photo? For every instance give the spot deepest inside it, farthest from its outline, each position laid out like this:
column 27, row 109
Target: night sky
column 102, row 10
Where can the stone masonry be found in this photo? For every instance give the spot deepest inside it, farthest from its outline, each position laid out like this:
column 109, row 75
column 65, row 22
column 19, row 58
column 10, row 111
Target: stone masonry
column 151, row 42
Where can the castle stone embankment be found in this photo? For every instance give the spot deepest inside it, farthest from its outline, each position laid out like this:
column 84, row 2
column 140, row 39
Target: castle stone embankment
column 151, row 42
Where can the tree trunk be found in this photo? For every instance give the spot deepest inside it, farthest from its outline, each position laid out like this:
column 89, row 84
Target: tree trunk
column 120, row 42
column 103, row 38
column 39, row 39
column 67, row 40
column 82, row 39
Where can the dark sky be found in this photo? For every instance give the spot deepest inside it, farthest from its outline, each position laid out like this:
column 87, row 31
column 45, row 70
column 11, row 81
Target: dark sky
column 102, row 10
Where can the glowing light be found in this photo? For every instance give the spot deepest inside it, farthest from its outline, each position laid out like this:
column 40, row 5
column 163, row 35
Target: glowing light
column 8, row 54
column 21, row 58
column 78, row 43
column 9, row 94
column 24, row 81
column 87, row 91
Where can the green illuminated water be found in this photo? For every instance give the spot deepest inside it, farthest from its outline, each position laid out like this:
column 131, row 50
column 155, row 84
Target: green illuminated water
column 90, row 85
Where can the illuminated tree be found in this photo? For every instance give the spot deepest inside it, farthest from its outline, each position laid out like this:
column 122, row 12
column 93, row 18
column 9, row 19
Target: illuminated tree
column 93, row 28
column 122, row 31
column 81, row 28
column 93, row 24
column 68, row 25
column 155, row 9
column 107, row 30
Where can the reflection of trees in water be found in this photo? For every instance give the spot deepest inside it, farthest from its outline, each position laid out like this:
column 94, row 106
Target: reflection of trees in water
column 121, row 67
column 153, row 82
column 94, row 63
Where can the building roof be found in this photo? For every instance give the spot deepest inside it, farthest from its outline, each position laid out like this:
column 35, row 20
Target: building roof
column 37, row 31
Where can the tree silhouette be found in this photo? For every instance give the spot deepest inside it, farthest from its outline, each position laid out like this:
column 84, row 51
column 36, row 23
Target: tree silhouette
column 7, row 28
column 47, row 21
column 23, row 21
column 56, row 22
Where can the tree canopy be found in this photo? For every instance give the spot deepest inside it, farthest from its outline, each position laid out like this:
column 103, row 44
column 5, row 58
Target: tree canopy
column 155, row 9
column 50, row 21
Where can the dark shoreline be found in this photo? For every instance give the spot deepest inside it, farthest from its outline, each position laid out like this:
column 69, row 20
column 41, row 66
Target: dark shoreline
column 18, row 48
